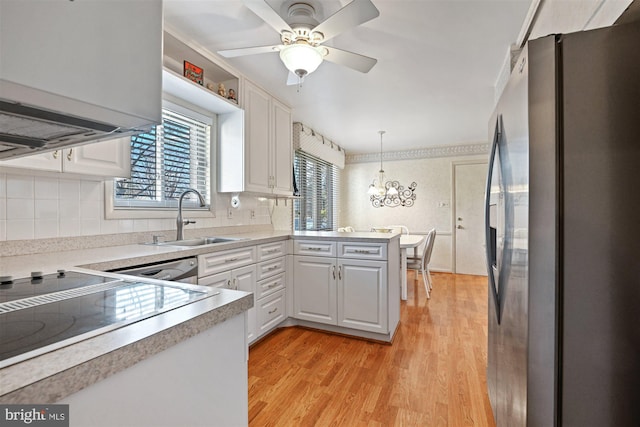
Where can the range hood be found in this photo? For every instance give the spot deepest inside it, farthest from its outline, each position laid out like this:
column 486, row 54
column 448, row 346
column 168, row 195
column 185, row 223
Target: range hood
column 25, row 130
column 77, row 72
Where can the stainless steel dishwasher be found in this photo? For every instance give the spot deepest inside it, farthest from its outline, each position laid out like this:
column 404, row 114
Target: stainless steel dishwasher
column 183, row 270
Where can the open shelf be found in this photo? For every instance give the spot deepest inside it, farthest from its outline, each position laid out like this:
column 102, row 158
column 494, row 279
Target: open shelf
column 175, row 52
column 181, row 87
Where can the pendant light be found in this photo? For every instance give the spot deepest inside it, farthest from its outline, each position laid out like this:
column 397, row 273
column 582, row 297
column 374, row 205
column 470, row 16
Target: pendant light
column 379, row 188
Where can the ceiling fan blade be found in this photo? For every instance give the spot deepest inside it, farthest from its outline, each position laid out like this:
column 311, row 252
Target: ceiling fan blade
column 232, row 53
column 355, row 13
column 268, row 15
column 349, row 59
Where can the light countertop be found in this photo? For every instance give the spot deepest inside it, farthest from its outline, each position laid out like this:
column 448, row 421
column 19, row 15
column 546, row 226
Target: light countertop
column 52, row 376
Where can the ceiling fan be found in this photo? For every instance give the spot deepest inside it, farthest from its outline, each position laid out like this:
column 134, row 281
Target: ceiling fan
column 302, row 36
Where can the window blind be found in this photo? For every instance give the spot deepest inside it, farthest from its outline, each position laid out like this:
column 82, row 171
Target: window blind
column 318, row 183
column 166, row 161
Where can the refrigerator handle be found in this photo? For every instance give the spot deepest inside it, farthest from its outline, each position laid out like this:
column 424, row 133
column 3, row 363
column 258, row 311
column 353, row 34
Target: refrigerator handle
column 489, row 247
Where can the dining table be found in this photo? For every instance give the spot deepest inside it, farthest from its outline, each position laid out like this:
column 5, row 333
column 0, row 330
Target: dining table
column 408, row 241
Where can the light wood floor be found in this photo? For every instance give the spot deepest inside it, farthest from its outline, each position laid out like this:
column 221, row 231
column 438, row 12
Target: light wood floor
column 432, row 375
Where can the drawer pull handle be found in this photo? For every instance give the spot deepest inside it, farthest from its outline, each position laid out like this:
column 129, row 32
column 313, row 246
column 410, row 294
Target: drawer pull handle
column 314, row 249
column 231, row 259
column 273, row 311
column 272, row 251
column 275, row 267
column 273, row 285
column 362, row 251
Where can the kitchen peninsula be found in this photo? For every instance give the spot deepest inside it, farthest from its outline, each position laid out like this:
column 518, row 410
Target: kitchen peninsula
column 339, row 282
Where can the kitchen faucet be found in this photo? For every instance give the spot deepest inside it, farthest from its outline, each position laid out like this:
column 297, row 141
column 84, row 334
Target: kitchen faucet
column 180, row 223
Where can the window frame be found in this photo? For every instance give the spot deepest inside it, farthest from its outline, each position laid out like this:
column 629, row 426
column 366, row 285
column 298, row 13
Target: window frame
column 128, row 212
column 333, row 188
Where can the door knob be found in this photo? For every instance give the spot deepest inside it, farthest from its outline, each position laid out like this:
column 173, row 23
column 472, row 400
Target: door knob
column 459, row 227
column 459, row 218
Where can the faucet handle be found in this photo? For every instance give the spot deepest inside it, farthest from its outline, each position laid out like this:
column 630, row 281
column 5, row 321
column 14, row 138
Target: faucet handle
column 156, row 238
column 188, row 221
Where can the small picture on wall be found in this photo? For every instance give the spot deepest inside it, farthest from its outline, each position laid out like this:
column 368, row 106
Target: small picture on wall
column 193, row 72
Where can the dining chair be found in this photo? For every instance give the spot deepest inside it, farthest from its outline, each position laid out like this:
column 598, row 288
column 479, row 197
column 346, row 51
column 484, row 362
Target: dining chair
column 403, row 229
column 421, row 262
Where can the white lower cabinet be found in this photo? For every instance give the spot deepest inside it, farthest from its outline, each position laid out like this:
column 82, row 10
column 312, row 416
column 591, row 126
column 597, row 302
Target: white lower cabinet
column 345, row 292
column 315, row 291
column 362, row 295
column 266, row 280
column 271, row 311
column 240, row 279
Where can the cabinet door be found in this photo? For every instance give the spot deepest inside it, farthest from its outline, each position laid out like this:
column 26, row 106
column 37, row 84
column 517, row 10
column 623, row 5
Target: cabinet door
column 220, row 280
column 315, row 289
column 107, row 158
column 43, row 161
column 281, row 155
column 244, row 279
column 362, row 295
column 257, row 137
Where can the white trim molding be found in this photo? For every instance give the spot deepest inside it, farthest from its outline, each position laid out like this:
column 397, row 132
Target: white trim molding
column 421, row 153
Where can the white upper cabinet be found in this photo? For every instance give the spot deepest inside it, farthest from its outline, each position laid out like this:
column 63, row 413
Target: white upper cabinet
column 282, row 151
column 267, row 150
column 104, row 159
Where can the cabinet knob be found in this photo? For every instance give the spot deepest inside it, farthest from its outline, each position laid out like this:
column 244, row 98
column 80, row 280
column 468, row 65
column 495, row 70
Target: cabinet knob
column 55, row 154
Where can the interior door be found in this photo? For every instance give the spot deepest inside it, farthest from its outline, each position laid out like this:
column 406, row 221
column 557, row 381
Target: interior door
column 469, row 218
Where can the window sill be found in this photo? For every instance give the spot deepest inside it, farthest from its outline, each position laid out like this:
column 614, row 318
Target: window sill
column 111, row 212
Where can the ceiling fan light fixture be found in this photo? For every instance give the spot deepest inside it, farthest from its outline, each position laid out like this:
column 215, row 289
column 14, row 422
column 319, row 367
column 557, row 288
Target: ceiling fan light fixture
column 301, row 59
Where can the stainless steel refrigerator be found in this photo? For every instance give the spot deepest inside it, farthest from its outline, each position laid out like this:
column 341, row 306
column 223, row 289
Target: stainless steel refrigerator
column 563, row 234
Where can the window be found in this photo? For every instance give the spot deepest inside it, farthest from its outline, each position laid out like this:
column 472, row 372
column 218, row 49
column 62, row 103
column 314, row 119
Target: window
column 318, row 183
column 168, row 160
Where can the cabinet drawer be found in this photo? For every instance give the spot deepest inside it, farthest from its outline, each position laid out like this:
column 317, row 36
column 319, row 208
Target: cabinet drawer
column 314, row 248
column 375, row 251
column 271, row 250
column 217, row 262
column 270, row 285
column 270, row 268
column 271, row 311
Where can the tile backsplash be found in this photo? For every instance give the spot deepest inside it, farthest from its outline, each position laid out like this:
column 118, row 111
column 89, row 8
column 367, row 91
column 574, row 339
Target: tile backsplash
column 37, row 207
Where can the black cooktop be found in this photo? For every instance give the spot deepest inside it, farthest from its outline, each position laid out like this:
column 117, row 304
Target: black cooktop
column 11, row 290
column 73, row 309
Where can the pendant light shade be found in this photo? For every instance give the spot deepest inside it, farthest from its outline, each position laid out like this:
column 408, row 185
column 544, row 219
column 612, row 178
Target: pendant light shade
column 301, row 59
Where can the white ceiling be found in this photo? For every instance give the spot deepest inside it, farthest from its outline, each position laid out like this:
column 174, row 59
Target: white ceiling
column 433, row 85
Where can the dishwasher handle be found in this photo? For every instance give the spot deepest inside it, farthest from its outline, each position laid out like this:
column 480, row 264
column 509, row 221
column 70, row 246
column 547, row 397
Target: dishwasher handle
column 181, row 270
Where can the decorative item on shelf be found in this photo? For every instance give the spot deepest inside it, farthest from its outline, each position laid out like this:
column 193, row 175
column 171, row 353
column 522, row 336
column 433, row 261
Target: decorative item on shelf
column 389, row 193
column 193, row 72
column 211, row 87
column 232, row 96
column 221, row 90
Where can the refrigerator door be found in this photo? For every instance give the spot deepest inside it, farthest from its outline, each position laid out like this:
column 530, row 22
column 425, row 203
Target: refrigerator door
column 600, row 230
column 508, row 192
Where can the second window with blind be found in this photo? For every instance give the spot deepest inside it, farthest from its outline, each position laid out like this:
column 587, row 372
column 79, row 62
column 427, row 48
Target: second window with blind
column 318, row 184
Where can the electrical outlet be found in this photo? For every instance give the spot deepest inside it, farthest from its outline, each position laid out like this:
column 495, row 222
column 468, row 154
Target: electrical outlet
column 229, row 213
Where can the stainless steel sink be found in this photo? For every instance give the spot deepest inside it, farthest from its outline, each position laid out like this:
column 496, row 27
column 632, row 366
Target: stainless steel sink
column 197, row 242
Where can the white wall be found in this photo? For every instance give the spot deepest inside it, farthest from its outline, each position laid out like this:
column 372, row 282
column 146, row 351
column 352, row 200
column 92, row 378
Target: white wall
column 53, row 205
column 434, row 188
